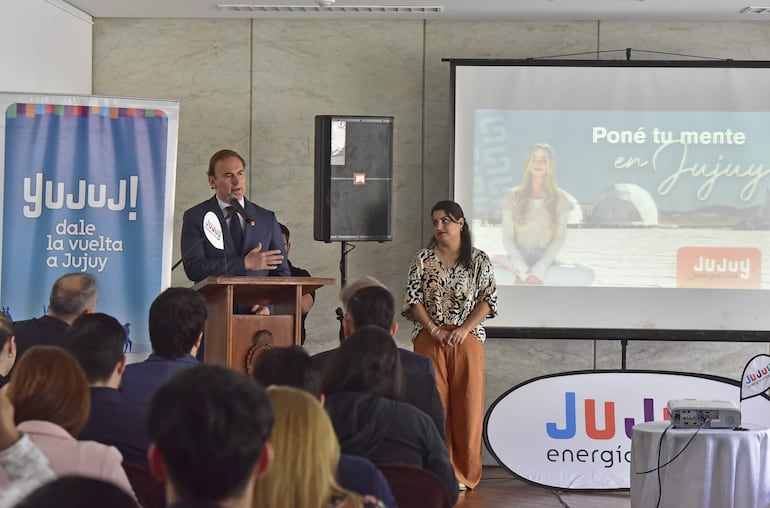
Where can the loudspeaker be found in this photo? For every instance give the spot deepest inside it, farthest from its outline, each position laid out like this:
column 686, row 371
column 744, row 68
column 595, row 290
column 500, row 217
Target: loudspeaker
column 353, row 178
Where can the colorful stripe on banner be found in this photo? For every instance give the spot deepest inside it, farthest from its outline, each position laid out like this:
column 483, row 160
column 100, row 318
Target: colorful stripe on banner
column 33, row 110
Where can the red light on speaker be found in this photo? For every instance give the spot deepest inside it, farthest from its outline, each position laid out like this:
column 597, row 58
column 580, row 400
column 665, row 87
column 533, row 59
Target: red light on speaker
column 359, row 178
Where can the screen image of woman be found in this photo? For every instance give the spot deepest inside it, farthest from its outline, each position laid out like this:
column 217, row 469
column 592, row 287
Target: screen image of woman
column 534, row 225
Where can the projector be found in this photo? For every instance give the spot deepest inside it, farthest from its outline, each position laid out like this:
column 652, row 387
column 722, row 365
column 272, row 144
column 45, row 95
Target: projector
column 707, row 414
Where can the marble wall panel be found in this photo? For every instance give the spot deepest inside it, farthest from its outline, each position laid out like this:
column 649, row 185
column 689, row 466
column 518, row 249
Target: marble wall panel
column 307, row 68
column 681, row 40
column 202, row 63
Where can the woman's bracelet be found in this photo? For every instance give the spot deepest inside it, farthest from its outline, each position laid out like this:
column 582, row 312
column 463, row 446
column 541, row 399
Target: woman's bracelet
column 434, row 331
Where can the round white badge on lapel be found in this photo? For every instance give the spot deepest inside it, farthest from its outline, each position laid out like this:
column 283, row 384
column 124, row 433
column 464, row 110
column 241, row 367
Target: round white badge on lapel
column 213, row 230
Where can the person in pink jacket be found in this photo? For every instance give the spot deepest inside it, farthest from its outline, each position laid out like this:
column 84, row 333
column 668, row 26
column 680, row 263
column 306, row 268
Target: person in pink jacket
column 49, row 392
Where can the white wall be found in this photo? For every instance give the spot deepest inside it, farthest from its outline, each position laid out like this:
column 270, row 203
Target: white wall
column 45, row 47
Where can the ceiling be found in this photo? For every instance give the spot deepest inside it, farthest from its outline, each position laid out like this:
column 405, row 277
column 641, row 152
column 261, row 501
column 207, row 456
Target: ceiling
column 637, row 10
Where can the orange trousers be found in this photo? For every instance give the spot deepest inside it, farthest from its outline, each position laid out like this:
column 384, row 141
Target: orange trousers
column 460, row 383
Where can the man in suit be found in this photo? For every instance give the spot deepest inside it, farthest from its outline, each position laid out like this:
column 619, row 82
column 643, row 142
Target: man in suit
column 209, row 427
column 176, row 323
column 71, row 295
column 373, row 304
column 97, row 341
column 308, row 299
column 250, row 247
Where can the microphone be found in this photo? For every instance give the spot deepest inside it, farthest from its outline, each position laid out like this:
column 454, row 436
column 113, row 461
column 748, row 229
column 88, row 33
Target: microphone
column 238, row 208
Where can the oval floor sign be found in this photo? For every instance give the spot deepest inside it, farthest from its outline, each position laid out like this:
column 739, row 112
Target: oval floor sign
column 573, row 430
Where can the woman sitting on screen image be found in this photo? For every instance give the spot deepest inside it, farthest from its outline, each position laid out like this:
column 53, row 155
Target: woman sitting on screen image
column 534, row 225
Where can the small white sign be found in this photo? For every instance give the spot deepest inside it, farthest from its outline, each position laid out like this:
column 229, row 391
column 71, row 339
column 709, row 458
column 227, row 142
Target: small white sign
column 338, row 141
column 212, row 228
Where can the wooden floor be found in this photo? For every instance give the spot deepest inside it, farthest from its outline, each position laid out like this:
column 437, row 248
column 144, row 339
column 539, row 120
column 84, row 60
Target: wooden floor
column 498, row 489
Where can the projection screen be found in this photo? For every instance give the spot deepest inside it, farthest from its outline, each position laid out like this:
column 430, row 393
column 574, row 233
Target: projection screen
column 618, row 195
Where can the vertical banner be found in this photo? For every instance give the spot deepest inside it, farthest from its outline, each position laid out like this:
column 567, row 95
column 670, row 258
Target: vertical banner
column 88, row 186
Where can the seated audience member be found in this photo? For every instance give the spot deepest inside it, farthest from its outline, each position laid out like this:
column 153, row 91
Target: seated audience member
column 176, row 324
column 71, row 295
column 292, row 366
column 208, row 429
column 26, row 467
column 7, row 349
column 306, row 454
column 362, row 384
column 78, row 492
column 368, row 302
column 49, row 393
column 97, row 341
column 288, row 366
column 308, row 299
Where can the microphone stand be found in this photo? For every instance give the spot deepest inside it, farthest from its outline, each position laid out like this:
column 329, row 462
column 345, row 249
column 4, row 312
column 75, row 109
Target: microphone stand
column 188, row 251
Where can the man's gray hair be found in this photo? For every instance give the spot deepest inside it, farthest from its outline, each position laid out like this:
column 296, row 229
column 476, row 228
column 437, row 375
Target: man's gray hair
column 364, row 282
column 69, row 301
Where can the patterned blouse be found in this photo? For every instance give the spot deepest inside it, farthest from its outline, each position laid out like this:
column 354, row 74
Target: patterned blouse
column 450, row 295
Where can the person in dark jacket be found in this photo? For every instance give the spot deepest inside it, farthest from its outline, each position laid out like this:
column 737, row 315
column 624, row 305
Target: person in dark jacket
column 176, row 322
column 362, row 384
column 292, row 366
column 368, row 302
column 96, row 341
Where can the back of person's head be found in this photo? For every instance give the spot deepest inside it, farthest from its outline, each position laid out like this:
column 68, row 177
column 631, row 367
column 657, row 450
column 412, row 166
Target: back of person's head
column 368, row 362
column 6, row 329
column 210, row 425
column 72, row 294
column 373, row 305
column 288, row 366
column 177, row 319
column 97, row 341
column 306, row 450
column 284, row 231
column 78, row 492
column 348, row 291
column 49, row 384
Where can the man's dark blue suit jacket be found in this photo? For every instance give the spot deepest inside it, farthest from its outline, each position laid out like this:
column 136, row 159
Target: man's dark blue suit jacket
column 201, row 259
column 117, row 423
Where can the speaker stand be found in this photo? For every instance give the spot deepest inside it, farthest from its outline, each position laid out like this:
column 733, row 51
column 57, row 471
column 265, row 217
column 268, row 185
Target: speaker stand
column 345, row 249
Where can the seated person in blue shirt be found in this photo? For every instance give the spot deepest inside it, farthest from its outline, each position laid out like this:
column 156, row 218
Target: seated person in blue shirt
column 177, row 320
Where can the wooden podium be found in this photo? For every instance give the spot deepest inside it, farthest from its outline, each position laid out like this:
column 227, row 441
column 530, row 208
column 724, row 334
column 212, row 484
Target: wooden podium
column 234, row 340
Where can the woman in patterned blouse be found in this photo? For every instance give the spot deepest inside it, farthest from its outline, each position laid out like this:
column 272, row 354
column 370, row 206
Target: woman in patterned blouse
column 450, row 292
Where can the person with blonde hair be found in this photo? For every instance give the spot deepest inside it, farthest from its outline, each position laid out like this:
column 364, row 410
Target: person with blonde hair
column 306, row 454
column 49, row 392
